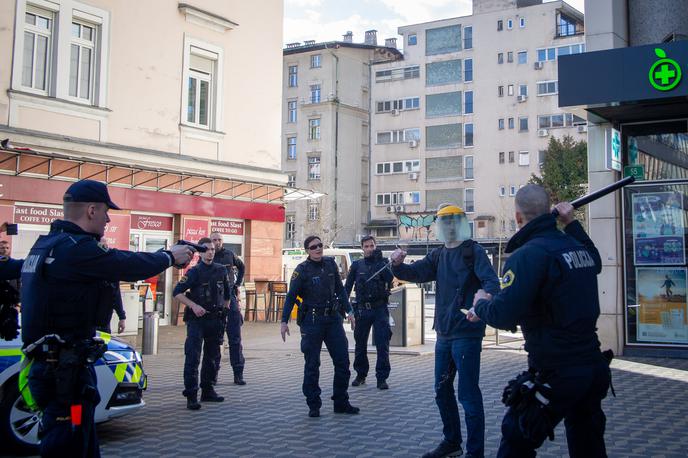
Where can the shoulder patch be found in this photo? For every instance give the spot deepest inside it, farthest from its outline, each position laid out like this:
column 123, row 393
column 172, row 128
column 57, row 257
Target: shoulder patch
column 4, row 258
column 507, row 279
column 183, row 279
column 295, row 275
column 103, row 246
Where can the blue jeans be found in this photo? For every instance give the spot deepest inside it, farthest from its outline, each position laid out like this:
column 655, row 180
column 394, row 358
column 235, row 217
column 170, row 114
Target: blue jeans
column 314, row 331
column 201, row 334
column 462, row 355
column 577, row 393
column 378, row 319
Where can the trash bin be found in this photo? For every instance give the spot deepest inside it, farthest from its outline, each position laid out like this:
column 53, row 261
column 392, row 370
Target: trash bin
column 151, row 321
column 406, row 316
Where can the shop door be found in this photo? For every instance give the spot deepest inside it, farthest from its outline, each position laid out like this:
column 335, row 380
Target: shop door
column 161, row 285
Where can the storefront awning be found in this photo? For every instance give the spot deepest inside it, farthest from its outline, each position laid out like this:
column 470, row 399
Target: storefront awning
column 26, row 162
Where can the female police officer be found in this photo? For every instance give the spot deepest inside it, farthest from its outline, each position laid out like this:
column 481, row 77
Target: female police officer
column 317, row 281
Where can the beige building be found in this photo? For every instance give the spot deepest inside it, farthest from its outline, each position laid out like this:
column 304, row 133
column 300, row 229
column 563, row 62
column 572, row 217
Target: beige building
column 174, row 105
column 466, row 115
column 325, row 135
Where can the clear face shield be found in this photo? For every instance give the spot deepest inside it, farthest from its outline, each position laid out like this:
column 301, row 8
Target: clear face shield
column 452, row 227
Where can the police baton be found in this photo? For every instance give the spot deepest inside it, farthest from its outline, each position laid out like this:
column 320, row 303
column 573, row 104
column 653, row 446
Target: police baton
column 584, row 200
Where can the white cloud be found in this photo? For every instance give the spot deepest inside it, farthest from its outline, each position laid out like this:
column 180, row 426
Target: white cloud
column 303, row 3
column 417, row 11
column 311, row 28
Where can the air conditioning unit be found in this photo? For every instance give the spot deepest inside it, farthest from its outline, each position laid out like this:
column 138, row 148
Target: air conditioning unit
column 538, row 65
column 413, row 144
column 395, row 112
column 522, row 98
column 399, row 208
column 581, row 129
column 413, row 176
column 543, row 132
column 390, row 209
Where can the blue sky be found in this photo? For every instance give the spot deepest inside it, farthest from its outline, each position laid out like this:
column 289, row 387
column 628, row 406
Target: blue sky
column 328, row 20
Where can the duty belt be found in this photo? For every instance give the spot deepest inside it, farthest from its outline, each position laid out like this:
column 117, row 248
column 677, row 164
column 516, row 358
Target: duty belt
column 371, row 305
column 322, row 311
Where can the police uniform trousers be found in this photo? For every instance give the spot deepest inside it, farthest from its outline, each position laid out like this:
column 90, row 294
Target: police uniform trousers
column 233, row 329
column 58, row 437
column 577, row 393
column 378, row 319
column 316, row 329
column 201, row 334
column 460, row 356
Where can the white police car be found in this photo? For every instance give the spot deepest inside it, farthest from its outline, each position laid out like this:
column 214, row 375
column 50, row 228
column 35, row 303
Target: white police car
column 121, row 382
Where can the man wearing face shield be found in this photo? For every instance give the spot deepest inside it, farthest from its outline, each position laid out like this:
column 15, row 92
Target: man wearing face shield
column 460, row 268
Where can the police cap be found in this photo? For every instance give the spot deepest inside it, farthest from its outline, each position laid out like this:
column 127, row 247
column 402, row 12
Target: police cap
column 89, row 191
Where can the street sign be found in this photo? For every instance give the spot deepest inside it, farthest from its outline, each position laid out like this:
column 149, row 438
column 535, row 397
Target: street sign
column 613, row 150
column 637, row 171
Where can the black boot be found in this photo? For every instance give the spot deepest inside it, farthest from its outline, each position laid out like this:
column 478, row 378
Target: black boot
column 209, row 395
column 314, row 412
column 239, row 379
column 382, row 385
column 192, row 402
column 346, row 408
column 445, row 449
column 358, row 381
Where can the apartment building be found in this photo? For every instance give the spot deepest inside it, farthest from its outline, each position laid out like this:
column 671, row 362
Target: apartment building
column 174, row 105
column 326, row 135
column 466, row 116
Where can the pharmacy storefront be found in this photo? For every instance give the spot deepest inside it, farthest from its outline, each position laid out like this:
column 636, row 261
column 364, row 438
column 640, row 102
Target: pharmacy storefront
column 638, row 117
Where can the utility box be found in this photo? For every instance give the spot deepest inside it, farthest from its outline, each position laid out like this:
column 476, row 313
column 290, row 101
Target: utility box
column 406, row 316
column 131, row 304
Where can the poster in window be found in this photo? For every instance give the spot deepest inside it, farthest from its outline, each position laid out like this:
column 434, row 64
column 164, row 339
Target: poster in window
column 661, row 299
column 658, row 228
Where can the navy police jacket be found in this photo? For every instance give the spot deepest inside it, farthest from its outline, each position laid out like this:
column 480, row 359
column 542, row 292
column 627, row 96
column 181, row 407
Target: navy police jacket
column 228, row 259
column 456, row 285
column 10, row 269
column 208, row 284
column 377, row 289
column 65, row 276
column 318, row 284
column 549, row 288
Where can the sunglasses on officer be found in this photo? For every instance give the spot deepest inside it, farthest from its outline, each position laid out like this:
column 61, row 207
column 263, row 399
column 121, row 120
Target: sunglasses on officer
column 315, row 247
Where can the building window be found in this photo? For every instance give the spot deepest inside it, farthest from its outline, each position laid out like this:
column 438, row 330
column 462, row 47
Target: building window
column 293, row 75
column 502, row 191
column 291, row 180
column 468, row 70
column 541, row 158
column 512, row 190
column 566, row 26
column 409, row 103
column 510, row 89
column 468, row 102
column 315, row 61
column 523, row 158
column 200, row 104
column 501, row 157
column 313, row 168
column 291, row 111
column 443, row 40
column 468, row 37
column 468, row 202
column 82, row 63
column 522, row 22
column 315, row 93
column 313, row 212
column 509, row 24
column 397, row 74
column 500, row 124
column 509, row 56
column 444, row 72
column 468, row 167
column 500, row 57
column 291, row 148
column 523, row 124
column 511, row 157
column 511, row 123
column 523, row 90
column 290, row 227
column 468, row 134
column 523, row 57
column 36, row 63
column 412, row 39
column 500, row 25
column 314, row 129
column 512, row 225
column 443, row 136
column 545, row 54
column 547, row 87
column 500, row 91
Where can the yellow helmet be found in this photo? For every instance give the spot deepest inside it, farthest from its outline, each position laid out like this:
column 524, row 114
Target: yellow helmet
column 449, row 210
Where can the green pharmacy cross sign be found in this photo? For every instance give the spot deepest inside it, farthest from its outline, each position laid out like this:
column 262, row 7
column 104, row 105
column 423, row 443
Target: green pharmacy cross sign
column 665, row 73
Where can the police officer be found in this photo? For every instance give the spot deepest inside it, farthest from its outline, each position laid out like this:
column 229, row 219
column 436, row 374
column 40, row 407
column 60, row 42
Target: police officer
column 63, row 279
column 317, row 282
column 234, row 319
column 549, row 288
column 10, row 271
column 205, row 314
column 372, row 284
column 460, row 268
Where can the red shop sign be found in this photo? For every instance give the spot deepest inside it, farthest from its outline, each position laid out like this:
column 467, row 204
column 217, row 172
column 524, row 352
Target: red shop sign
column 151, row 222
column 30, row 214
column 117, row 231
column 227, row 227
column 195, row 229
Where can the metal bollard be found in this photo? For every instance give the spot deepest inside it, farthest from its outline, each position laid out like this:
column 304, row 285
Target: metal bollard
column 151, row 322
